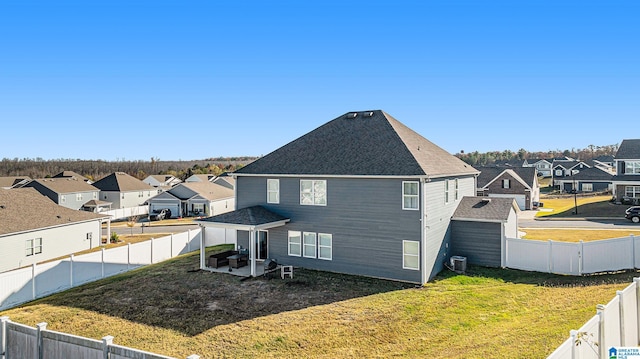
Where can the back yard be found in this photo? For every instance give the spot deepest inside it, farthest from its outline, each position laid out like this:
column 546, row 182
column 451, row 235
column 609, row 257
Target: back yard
column 173, row 309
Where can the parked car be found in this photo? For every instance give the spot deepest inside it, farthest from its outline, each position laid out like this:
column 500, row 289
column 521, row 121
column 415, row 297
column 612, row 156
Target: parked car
column 160, row 214
column 633, row 214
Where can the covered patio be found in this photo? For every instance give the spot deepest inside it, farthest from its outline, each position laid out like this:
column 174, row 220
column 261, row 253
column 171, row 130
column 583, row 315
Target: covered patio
column 253, row 220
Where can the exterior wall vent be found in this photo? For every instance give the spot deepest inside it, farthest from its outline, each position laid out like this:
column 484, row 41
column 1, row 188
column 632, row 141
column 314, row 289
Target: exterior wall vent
column 352, row 115
column 368, row 114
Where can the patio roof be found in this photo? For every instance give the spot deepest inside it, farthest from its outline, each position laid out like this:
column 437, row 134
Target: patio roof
column 250, row 218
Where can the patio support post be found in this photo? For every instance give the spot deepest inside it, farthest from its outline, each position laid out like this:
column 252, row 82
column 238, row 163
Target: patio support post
column 252, row 251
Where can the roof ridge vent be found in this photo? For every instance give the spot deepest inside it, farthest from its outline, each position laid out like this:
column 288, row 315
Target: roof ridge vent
column 486, row 200
column 352, row 115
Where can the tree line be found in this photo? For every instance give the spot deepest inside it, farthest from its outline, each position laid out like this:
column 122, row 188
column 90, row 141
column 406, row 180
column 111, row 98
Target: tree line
column 97, row 169
column 488, row 158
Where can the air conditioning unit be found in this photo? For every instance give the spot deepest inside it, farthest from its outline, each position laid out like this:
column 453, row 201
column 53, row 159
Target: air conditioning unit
column 459, row 264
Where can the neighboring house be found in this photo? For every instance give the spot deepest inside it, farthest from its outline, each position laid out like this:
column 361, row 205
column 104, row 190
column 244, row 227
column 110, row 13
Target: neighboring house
column 33, row 229
column 564, row 168
column 362, row 194
column 67, row 174
column 162, row 182
column 14, row 181
column 124, row 191
column 520, row 183
column 587, row 180
column 200, row 178
column 606, row 160
column 626, row 182
column 225, row 180
column 603, row 163
column 194, row 199
column 480, row 227
column 543, row 166
column 70, row 192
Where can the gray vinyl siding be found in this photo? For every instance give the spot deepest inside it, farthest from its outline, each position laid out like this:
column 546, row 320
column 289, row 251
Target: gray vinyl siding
column 364, row 217
column 71, row 199
column 480, row 242
column 438, row 216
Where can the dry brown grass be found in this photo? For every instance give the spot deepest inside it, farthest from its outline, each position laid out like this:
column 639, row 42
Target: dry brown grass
column 576, row 235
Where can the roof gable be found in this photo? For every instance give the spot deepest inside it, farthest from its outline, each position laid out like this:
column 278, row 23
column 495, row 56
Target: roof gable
column 121, row 182
column 65, row 185
column 629, row 149
column 370, row 143
column 207, row 190
column 485, row 209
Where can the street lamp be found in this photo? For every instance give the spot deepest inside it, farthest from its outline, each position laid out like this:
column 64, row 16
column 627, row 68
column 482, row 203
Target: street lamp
column 575, row 197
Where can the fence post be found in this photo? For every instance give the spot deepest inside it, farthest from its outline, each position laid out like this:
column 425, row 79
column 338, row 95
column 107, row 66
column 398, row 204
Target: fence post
column 102, row 261
column 601, row 336
column 621, row 311
column 40, row 326
column 574, row 337
column 106, row 342
column 71, row 271
column 171, row 246
column 581, row 257
column 3, row 336
column 33, row 281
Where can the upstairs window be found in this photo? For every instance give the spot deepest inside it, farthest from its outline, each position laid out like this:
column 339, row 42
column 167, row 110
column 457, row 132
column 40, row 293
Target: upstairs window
column 506, row 183
column 410, row 195
column 313, row 192
column 33, row 246
column 456, row 189
column 78, row 196
column 63, row 199
column 447, row 190
column 632, row 167
column 273, row 191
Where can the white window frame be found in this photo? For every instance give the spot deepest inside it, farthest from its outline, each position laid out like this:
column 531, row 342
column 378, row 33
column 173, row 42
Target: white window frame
column 63, row 199
column 506, row 183
column 95, row 195
column 447, row 190
column 33, row 246
column 558, row 172
column 405, row 255
column 587, row 187
column 632, row 167
column 406, row 196
column 322, row 245
column 309, row 248
column 456, row 190
column 290, row 243
column 78, row 196
column 271, row 191
column 635, row 191
column 313, row 196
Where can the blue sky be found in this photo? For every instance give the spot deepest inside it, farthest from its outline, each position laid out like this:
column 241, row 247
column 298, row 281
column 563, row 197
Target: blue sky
column 131, row 80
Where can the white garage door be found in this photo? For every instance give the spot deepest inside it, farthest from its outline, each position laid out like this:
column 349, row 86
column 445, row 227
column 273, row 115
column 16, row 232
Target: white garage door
column 520, row 199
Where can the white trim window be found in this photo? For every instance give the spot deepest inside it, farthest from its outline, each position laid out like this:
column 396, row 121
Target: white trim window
column 410, row 199
column 587, row 187
column 273, row 190
column 313, row 192
column 33, row 246
column 632, row 191
column 456, row 189
column 294, row 244
column 632, row 167
column 558, row 172
column 411, row 255
column 95, row 195
column 506, row 183
column 309, row 245
column 447, row 190
column 78, row 196
column 63, row 199
column 325, row 246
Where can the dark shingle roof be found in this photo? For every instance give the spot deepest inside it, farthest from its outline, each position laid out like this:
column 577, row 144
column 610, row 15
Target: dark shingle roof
column 487, row 174
column 370, row 144
column 590, row 174
column 121, row 182
column 25, row 209
column 250, row 216
column 65, row 185
column 629, row 149
column 485, row 208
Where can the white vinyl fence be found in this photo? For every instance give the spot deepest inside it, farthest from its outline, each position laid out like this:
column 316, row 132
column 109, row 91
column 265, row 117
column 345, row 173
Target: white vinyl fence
column 614, row 325
column 127, row 212
column 26, row 284
column 573, row 258
column 21, row 341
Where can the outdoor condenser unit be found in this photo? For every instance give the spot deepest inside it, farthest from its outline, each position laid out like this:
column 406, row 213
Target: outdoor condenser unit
column 459, row 264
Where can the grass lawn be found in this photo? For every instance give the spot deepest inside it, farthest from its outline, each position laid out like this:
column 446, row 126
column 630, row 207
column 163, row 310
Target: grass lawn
column 171, row 309
column 566, row 205
column 576, row 235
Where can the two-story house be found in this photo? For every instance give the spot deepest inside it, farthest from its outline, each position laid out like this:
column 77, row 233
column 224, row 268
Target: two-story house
column 626, row 182
column 124, row 191
column 543, row 166
column 362, row 194
column 70, row 192
column 520, row 183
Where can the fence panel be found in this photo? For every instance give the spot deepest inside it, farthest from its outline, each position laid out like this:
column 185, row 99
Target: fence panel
column 161, row 249
column 629, row 315
column 563, row 351
column 180, row 243
column 140, row 253
column 120, row 352
column 87, row 268
column 608, row 255
column 22, row 341
column 611, row 318
column 565, row 258
column 56, row 345
column 52, row 277
column 16, row 287
column 527, row 255
column 193, row 242
column 588, row 348
column 116, row 260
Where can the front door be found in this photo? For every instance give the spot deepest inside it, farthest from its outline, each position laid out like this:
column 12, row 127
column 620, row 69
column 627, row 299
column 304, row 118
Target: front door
column 261, row 244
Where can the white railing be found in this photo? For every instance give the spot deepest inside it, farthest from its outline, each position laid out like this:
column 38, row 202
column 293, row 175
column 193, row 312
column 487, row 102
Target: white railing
column 573, row 258
column 26, row 284
column 614, row 325
column 127, row 212
column 21, row 341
